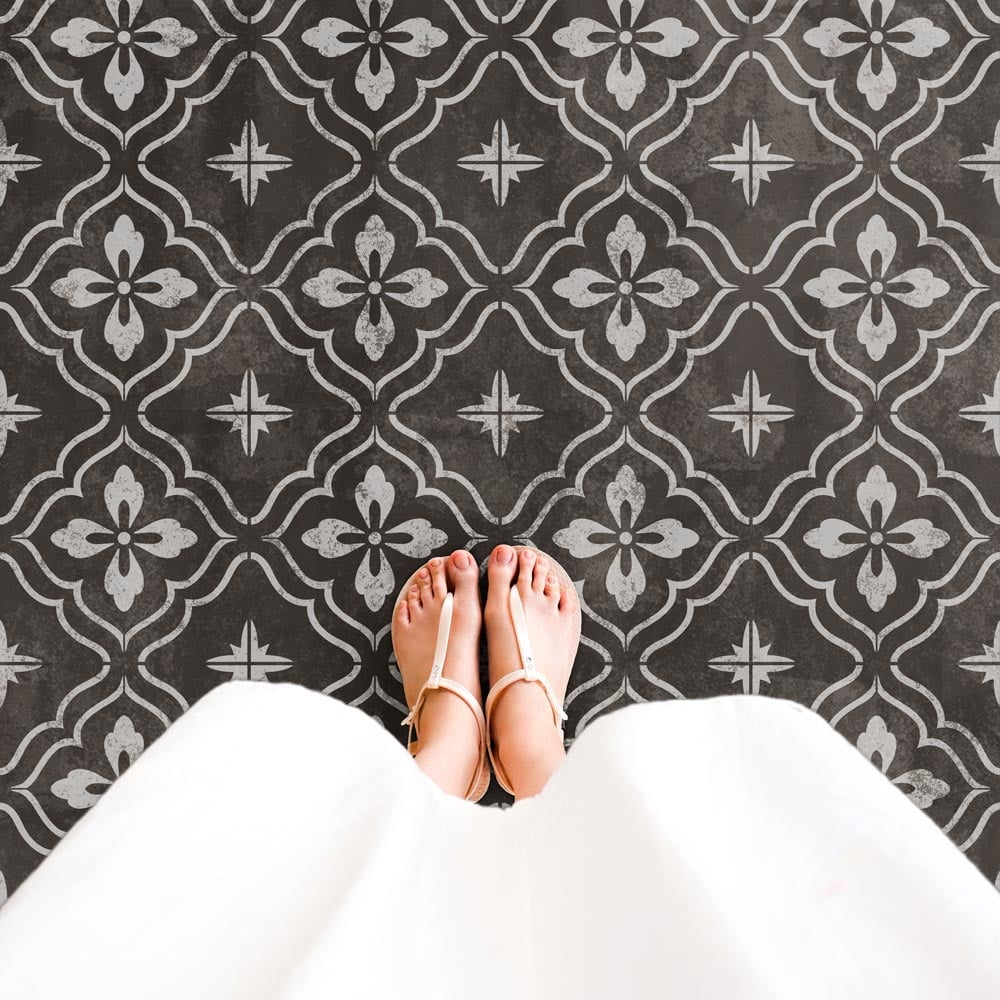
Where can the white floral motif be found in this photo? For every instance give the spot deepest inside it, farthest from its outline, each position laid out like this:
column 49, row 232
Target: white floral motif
column 916, row 288
column 164, row 288
column 375, row 79
column 75, row 787
column 626, row 78
column 916, row 36
column 163, row 538
column 414, row 538
column 665, row 288
column 124, row 79
column 415, row 287
column 665, row 539
column 876, row 739
column 916, row 538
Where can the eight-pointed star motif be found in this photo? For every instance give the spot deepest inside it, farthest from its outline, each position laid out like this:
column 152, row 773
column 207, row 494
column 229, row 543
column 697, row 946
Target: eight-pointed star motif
column 248, row 659
column 665, row 37
column 751, row 162
column 751, row 413
column 415, row 287
column 987, row 163
column 250, row 162
column 751, row 662
column 916, row 288
column 164, row 288
column 987, row 413
column 123, row 78
column 12, row 663
column 500, row 413
column 987, row 663
column 250, row 413
column 375, row 78
column 12, row 413
column 501, row 162
column 12, row 162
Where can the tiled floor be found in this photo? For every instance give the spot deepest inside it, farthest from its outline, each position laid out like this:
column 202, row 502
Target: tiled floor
column 699, row 297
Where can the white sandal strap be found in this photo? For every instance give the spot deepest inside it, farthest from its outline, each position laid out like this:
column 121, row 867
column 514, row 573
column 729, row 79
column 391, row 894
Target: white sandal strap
column 528, row 672
column 437, row 664
column 436, row 680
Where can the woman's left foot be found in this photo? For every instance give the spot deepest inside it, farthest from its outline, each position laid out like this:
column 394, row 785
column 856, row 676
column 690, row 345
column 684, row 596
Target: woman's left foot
column 449, row 732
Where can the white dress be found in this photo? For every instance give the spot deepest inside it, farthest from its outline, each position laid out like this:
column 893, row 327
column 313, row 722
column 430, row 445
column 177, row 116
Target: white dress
column 276, row 843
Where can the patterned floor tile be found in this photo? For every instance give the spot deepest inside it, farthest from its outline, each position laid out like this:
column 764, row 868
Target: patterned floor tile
column 700, row 298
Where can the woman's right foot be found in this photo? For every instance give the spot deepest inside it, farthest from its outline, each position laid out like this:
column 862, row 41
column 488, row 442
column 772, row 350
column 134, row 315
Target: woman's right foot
column 525, row 737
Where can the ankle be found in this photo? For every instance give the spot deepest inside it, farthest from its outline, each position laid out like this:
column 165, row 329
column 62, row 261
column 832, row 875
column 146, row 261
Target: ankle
column 449, row 742
column 530, row 763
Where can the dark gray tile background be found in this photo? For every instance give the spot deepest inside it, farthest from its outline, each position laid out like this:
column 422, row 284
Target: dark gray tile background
column 699, row 297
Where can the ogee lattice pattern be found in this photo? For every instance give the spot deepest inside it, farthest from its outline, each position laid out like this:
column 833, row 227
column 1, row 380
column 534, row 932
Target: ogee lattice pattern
column 699, row 296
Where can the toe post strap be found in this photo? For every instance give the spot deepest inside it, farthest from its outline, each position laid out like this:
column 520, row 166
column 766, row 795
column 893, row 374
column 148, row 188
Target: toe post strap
column 528, row 672
column 480, row 780
column 437, row 664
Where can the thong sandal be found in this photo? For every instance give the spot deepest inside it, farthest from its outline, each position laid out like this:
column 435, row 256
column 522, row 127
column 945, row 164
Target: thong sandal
column 481, row 779
column 529, row 670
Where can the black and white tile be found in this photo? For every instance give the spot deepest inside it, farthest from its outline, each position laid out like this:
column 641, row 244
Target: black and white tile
column 701, row 297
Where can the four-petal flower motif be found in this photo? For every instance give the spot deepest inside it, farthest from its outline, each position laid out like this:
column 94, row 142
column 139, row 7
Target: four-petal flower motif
column 665, row 288
column 375, row 78
column 666, row 538
column 877, row 80
column 666, row 37
column 164, row 287
column 124, row 79
column 917, row 288
column 925, row 788
column 916, row 538
column 164, row 538
column 75, row 788
column 415, row 538
column 415, row 287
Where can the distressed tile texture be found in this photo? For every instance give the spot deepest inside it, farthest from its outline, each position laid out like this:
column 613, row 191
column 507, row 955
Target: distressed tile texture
column 699, row 297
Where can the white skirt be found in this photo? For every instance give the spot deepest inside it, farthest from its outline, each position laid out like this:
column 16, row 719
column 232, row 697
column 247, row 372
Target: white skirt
column 276, row 843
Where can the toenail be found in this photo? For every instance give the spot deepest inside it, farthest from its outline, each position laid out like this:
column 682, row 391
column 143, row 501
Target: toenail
column 435, row 562
column 414, row 590
column 552, row 580
column 529, row 555
column 423, row 574
column 503, row 555
column 461, row 559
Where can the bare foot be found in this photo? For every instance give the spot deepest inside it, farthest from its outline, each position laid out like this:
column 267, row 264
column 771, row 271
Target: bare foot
column 449, row 733
column 525, row 737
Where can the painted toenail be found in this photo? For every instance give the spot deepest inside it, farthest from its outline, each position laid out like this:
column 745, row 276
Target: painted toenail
column 423, row 574
column 414, row 590
column 435, row 562
column 504, row 555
